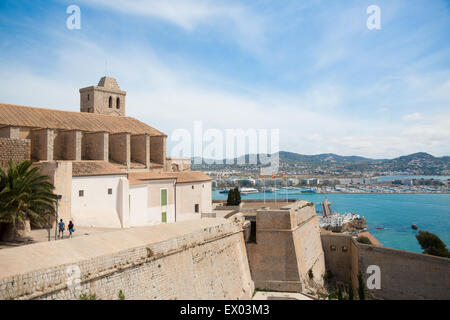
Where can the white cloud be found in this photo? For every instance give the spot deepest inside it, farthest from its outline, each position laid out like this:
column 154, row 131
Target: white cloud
column 238, row 21
column 413, row 116
column 314, row 137
column 169, row 96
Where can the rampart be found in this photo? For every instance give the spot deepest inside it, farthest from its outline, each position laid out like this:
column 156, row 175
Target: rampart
column 197, row 259
column 404, row 275
column 285, row 253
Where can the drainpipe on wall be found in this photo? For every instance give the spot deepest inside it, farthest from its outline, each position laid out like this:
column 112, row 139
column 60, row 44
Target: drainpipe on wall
column 175, row 200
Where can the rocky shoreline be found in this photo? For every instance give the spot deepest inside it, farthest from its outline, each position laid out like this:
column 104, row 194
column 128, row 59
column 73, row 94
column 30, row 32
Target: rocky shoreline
column 353, row 226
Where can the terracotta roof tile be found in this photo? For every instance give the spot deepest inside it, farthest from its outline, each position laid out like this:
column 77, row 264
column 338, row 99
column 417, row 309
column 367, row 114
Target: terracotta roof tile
column 22, row 116
column 137, row 178
column 94, row 168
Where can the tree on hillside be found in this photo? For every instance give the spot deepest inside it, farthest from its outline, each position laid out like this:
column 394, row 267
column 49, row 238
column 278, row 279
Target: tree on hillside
column 432, row 244
column 25, row 194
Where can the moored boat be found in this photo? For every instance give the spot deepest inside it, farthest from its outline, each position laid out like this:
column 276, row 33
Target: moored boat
column 245, row 191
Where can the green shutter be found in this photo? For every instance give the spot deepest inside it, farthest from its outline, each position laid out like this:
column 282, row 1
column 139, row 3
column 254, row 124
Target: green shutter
column 164, row 205
column 164, row 197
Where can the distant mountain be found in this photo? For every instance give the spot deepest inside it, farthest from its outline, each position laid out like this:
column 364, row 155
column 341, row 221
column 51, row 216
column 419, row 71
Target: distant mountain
column 324, row 157
column 418, row 163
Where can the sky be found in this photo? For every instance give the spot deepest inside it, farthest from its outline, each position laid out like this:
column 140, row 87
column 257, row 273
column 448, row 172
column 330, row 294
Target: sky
column 311, row 69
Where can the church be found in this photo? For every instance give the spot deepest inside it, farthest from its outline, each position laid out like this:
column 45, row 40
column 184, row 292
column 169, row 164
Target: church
column 110, row 170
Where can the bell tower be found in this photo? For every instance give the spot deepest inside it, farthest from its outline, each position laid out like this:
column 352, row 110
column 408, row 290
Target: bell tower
column 104, row 98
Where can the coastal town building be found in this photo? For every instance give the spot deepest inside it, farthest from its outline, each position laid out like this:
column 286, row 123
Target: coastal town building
column 110, row 169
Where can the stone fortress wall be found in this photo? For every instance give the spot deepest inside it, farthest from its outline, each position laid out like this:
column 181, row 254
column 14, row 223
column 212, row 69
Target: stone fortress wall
column 15, row 149
column 215, row 258
column 404, row 274
column 201, row 259
column 285, row 247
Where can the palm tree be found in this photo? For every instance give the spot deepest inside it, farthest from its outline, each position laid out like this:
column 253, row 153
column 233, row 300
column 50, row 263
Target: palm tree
column 25, row 194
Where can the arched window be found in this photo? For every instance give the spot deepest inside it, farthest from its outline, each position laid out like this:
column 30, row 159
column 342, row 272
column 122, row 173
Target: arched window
column 110, row 102
column 118, row 103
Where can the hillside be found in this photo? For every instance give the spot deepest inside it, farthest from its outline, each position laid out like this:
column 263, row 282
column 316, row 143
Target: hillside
column 420, row 163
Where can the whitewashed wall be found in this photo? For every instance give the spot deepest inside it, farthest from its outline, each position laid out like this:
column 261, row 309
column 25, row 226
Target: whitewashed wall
column 187, row 197
column 96, row 208
column 145, row 203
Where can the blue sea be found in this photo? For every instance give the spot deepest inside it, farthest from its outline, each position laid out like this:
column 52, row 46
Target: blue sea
column 393, row 212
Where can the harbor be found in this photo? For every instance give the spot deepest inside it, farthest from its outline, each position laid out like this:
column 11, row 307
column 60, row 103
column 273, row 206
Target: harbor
column 389, row 216
column 289, row 191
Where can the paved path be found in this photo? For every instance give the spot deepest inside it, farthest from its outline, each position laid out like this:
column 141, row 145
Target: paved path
column 41, row 235
column 263, row 295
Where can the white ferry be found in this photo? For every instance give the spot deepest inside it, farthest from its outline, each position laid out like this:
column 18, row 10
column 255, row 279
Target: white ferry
column 245, row 191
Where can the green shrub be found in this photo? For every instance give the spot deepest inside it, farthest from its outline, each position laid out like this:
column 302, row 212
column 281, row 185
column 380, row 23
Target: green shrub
column 432, row 244
column 86, row 296
column 121, row 295
column 328, row 275
column 351, row 294
column 339, row 294
column 333, row 295
column 361, row 287
column 364, row 240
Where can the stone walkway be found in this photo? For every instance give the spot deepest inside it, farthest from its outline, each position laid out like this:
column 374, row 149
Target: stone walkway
column 41, row 235
column 263, row 295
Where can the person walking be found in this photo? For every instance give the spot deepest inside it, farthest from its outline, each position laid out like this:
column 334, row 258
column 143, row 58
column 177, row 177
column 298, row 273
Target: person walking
column 71, row 229
column 61, row 228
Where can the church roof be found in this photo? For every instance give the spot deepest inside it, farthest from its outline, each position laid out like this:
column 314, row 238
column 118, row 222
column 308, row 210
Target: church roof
column 21, row 116
column 95, row 168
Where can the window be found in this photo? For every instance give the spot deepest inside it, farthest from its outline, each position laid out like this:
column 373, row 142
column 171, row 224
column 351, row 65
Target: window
column 196, row 208
column 81, row 193
column 109, row 190
column 88, row 96
column 344, row 249
column 192, row 187
column 333, row 248
column 110, row 102
column 118, row 103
